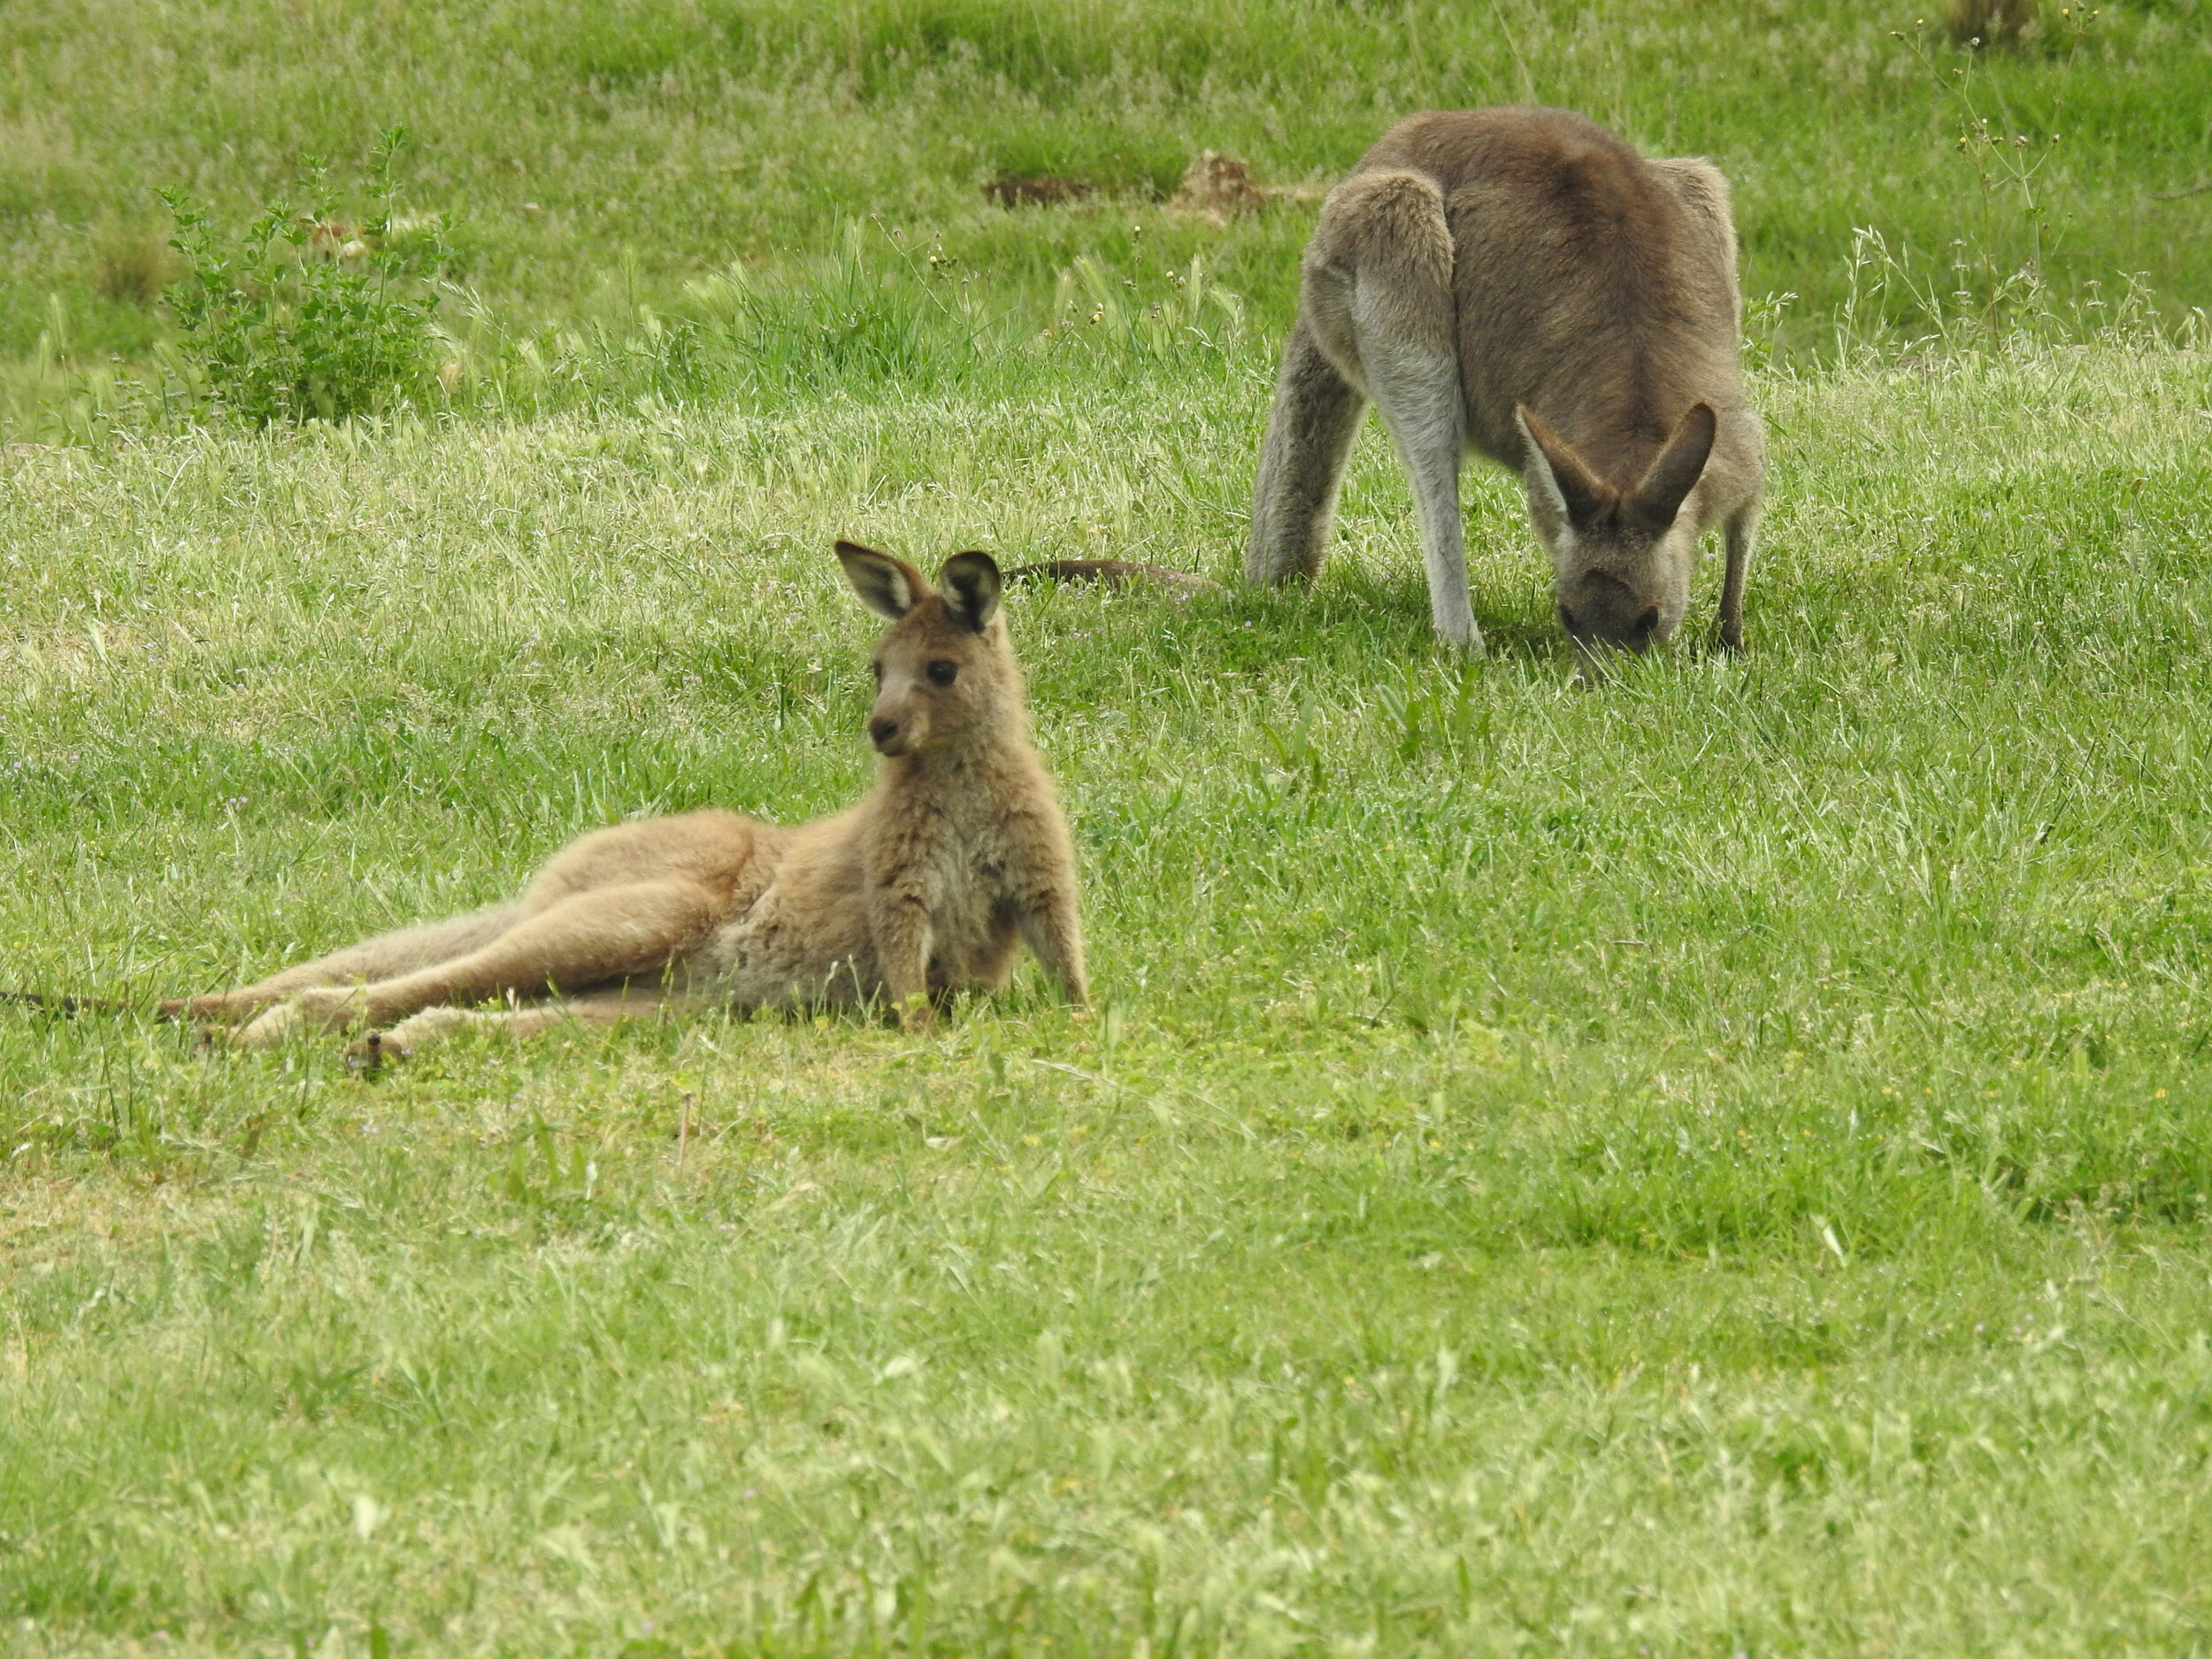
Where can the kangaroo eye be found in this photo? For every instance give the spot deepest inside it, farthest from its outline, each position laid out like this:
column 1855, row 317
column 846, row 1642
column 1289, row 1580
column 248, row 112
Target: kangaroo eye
column 876, row 669
column 942, row 672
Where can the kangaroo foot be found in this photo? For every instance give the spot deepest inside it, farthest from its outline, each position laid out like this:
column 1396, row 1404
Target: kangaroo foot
column 400, row 1041
column 326, row 1008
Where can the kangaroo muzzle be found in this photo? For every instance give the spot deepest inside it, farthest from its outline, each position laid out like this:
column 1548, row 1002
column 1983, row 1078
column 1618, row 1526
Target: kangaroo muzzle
column 898, row 728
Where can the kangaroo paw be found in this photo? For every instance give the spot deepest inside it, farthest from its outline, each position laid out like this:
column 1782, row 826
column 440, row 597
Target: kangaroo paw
column 402, row 1042
column 372, row 1052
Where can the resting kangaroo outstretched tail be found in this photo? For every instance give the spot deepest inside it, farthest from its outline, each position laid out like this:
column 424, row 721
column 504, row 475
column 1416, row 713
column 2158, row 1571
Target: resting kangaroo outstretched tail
column 926, row 887
column 1521, row 282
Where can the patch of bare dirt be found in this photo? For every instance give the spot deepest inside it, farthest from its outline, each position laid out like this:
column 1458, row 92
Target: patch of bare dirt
column 1039, row 189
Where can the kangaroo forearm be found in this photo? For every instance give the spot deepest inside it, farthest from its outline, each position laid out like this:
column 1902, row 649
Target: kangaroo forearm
column 1075, row 985
column 902, row 939
column 1741, row 531
column 1055, row 936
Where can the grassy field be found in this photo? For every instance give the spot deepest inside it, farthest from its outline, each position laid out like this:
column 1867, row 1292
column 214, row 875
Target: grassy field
column 587, row 158
column 1714, row 1165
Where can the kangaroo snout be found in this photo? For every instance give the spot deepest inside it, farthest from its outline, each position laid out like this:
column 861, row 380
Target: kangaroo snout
column 1594, row 624
column 901, row 721
column 883, row 732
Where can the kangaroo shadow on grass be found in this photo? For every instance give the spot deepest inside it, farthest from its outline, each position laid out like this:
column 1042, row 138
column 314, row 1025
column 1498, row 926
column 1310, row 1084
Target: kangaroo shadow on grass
column 1390, row 611
column 1387, row 612
column 1350, row 613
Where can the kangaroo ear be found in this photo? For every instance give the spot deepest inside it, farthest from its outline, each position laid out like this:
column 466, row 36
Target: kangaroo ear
column 888, row 587
column 1557, row 477
column 971, row 583
column 1675, row 473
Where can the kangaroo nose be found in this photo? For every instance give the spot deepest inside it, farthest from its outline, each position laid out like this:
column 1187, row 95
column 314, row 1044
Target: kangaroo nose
column 882, row 729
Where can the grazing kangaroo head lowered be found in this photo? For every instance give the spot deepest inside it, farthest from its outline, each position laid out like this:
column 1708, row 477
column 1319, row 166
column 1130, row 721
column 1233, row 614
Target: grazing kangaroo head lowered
column 1520, row 283
column 945, row 673
column 1621, row 552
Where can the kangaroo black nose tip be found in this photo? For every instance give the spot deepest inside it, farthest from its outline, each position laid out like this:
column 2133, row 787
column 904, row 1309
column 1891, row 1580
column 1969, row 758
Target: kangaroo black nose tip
column 881, row 731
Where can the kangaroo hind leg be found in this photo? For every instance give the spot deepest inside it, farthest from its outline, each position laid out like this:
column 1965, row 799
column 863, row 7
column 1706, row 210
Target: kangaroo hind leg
column 600, row 937
column 1381, row 275
column 385, row 957
column 609, row 1006
column 1309, row 436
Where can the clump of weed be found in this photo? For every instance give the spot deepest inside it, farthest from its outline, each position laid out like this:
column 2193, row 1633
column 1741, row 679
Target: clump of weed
column 308, row 314
column 1991, row 22
column 133, row 265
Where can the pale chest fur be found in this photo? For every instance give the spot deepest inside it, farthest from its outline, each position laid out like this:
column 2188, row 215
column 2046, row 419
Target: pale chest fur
column 962, row 852
column 962, row 855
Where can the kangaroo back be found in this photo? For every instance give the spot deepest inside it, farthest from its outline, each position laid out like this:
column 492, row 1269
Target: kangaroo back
column 1591, row 285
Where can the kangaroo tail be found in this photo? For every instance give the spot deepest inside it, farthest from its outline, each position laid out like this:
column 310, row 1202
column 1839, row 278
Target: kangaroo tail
column 1109, row 572
column 66, row 1007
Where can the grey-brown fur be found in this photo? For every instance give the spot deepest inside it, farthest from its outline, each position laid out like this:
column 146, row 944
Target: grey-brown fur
column 928, row 886
column 1520, row 282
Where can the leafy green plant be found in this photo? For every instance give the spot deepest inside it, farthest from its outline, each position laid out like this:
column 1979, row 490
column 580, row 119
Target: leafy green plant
column 2000, row 274
column 1196, row 312
column 308, row 314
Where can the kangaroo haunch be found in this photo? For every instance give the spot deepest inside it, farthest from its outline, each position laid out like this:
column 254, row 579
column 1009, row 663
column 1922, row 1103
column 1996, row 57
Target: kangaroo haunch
column 925, row 888
column 1521, row 282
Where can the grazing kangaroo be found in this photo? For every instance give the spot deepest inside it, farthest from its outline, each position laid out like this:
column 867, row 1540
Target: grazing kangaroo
column 925, row 888
column 1520, row 282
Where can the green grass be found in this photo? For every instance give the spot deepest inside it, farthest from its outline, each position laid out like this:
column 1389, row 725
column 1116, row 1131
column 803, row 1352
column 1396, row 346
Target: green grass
column 1715, row 1164
column 588, row 158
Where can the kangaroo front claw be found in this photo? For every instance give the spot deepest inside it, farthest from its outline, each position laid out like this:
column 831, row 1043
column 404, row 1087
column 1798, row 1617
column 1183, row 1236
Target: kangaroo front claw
column 372, row 1052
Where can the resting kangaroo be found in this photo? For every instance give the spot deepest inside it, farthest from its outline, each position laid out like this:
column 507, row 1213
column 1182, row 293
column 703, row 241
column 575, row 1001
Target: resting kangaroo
column 923, row 888
column 1521, row 282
